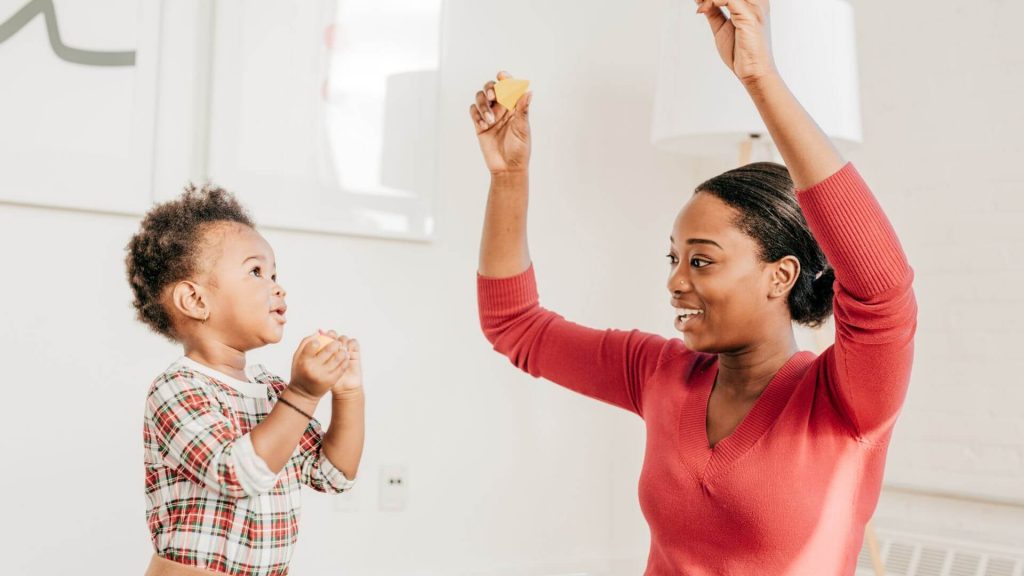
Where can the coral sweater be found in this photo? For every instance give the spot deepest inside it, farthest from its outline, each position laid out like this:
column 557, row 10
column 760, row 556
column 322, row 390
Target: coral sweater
column 791, row 489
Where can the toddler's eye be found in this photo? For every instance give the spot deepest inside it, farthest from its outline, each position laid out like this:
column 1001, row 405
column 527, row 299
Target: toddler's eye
column 256, row 272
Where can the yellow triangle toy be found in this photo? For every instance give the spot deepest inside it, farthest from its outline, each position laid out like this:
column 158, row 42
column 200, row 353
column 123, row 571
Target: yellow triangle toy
column 508, row 91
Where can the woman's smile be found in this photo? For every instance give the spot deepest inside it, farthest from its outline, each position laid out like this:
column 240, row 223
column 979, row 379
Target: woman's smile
column 686, row 317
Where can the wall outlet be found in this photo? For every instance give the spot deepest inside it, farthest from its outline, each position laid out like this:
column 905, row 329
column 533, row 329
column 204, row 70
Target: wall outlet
column 393, row 485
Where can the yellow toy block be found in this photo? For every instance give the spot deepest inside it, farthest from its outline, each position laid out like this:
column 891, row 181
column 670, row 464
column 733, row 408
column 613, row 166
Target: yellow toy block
column 508, row 91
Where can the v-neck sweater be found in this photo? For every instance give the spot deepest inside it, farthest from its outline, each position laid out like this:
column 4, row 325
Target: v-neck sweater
column 790, row 490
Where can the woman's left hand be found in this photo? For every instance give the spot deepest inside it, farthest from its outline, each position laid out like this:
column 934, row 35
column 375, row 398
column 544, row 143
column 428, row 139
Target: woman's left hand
column 743, row 37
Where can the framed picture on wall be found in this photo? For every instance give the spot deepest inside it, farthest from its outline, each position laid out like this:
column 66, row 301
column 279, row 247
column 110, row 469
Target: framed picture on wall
column 322, row 113
column 79, row 84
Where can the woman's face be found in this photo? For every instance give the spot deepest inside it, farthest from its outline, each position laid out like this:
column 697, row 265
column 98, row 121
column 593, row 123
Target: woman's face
column 718, row 284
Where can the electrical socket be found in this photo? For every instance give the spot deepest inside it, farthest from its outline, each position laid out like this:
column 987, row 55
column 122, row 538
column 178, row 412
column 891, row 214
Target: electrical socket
column 393, row 486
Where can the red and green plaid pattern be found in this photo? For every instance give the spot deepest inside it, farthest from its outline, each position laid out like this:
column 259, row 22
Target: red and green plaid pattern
column 204, row 504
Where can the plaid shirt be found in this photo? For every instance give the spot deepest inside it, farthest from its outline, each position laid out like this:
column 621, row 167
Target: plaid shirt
column 211, row 501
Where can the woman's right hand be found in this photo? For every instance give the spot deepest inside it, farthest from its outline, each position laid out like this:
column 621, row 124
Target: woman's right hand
column 317, row 367
column 743, row 37
column 504, row 135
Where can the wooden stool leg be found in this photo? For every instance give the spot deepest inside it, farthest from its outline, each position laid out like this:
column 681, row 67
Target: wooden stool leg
column 873, row 551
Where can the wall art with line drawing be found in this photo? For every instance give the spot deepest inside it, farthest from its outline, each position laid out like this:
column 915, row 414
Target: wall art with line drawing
column 79, row 83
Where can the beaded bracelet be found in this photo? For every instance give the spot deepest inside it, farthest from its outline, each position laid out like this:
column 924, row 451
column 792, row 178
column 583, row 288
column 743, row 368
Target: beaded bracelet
column 294, row 407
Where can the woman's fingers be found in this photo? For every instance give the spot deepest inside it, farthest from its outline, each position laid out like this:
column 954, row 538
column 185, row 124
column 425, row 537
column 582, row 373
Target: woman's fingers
column 474, row 113
column 716, row 17
column 485, row 107
column 503, row 119
column 742, row 9
column 492, row 98
column 524, row 103
column 487, row 113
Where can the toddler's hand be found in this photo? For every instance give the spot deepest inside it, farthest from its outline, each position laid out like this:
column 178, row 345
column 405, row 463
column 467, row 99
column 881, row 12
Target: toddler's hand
column 317, row 365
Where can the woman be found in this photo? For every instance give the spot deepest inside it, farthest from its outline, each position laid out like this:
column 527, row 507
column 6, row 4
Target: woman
column 760, row 458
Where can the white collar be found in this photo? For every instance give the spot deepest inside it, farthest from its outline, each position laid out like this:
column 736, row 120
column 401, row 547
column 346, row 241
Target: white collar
column 250, row 388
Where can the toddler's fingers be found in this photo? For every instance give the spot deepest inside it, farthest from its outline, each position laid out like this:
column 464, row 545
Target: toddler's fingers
column 304, row 346
column 337, row 367
column 325, row 352
column 352, row 345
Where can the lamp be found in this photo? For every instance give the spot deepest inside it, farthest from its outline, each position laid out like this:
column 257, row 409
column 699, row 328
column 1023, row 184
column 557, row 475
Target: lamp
column 701, row 109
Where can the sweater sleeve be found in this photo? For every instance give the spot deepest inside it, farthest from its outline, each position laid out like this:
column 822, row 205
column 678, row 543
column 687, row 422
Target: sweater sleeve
column 867, row 370
column 609, row 365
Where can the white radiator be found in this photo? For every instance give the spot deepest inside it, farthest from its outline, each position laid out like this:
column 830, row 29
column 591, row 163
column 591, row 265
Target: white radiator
column 916, row 555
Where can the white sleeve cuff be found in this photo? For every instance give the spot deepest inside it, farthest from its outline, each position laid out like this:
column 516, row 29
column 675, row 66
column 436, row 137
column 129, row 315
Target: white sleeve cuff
column 253, row 473
column 333, row 477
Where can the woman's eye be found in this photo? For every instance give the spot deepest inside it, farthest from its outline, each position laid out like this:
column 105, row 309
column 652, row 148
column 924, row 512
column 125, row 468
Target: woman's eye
column 672, row 259
column 696, row 262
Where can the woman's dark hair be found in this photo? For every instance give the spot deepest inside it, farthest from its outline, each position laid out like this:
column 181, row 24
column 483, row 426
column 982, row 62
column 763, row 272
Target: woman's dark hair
column 167, row 247
column 765, row 198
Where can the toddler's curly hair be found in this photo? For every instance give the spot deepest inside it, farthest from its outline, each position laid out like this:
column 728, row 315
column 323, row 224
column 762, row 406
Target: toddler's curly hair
column 167, row 247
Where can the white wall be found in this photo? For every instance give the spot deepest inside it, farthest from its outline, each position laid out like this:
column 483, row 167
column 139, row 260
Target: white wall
column 509, row 475
column 942, row 93
column 942, row 87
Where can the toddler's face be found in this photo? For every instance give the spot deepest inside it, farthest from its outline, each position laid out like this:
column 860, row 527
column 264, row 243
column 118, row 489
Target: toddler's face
column 247, row 307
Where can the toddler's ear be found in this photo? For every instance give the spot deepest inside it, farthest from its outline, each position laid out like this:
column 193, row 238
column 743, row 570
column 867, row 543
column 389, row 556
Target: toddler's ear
column 187, row 299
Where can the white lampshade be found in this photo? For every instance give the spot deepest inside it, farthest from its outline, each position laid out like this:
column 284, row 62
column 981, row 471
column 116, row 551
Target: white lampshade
column 701, row 109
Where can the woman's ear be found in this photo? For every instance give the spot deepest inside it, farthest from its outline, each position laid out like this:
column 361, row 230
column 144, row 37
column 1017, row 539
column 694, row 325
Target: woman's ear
column 785, row 273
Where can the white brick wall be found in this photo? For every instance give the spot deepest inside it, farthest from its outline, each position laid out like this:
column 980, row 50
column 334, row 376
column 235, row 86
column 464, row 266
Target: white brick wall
column 941, row 89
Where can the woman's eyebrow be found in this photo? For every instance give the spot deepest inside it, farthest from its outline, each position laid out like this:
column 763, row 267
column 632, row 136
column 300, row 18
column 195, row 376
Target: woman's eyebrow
column 690, row 241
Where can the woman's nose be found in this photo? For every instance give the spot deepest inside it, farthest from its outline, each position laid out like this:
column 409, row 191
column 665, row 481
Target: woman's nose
column 677, row 283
